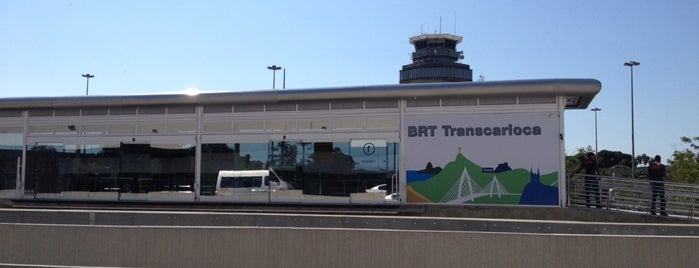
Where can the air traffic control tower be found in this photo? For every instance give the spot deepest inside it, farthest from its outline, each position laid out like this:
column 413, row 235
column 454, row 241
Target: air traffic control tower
column 435, row 60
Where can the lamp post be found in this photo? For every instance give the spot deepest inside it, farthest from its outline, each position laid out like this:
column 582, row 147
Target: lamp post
column 274, row 69
column 595, row 110
column 87, row 86
column 631, row 64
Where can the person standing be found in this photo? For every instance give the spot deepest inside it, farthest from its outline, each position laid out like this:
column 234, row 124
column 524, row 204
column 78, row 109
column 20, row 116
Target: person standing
column 656, row 174
column 591, row 182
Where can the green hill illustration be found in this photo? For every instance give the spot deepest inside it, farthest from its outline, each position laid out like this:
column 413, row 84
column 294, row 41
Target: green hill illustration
column 453, row 185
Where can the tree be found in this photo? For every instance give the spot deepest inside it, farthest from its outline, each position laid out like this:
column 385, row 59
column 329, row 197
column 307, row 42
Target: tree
column 610, row 163
column 684, row 167
column 609, row 159
column 335, row 161
column 574, row 162
column 283, row 154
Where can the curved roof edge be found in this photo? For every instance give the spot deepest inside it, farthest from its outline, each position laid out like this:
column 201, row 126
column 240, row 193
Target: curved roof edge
column 580, row 93
column 421, row 37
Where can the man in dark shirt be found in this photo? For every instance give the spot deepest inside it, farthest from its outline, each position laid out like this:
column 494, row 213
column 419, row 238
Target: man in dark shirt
column 656, row 174
column 591, row 182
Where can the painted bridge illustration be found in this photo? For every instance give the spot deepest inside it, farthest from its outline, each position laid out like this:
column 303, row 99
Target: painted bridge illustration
column 465, row 189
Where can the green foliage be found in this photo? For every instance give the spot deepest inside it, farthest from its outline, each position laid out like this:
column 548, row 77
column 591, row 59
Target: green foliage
column 574, row 162
column 691, row 142
column 608, row 159
column 610, row 163
column 684, row 167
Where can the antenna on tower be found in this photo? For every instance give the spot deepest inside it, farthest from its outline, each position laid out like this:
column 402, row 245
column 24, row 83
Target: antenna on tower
column 440, row 24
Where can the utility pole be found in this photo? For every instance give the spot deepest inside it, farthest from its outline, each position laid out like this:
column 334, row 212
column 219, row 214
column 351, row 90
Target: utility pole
column 631, row 64
column 595, row 110
column 274, row 69
column 87, row 87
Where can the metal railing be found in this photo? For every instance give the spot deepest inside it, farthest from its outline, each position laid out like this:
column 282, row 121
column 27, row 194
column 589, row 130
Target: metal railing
column 633, row 195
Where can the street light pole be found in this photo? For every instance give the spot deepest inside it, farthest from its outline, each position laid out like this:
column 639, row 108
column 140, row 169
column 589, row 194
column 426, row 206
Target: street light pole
column 631, row 64
column 274, row 69
column 87, row 86
column 595, row 110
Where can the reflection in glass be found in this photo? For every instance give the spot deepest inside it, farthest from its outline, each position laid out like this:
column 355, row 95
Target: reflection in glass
column 312, row 172
column 10, row 153
column 233, row 156
column 322, row 172
column 86, row 171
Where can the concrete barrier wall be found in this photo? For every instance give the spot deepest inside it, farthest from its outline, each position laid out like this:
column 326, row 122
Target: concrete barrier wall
column 139, row 246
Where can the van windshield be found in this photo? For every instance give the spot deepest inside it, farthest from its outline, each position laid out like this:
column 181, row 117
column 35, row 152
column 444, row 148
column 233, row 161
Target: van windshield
column 241, row 182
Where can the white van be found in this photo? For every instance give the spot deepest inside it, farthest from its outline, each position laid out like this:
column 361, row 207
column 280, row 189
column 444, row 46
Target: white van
column 230, row 182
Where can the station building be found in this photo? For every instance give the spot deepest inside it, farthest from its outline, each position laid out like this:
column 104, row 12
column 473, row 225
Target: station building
column 494, row 142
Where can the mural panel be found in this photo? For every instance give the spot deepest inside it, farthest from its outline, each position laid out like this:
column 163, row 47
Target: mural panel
column 503, row 158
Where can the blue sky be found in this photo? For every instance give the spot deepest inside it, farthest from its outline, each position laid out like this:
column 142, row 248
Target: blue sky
column 135, row 47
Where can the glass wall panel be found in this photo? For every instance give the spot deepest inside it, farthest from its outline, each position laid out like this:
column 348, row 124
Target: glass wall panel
column 216, row 157
column 172, row 172
column 85, row 171
column 328, row 171
column 10, row 155
column 42, row 174
column 305, row 172
column 122, row 171
column 375, row 166
column 336, row 172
